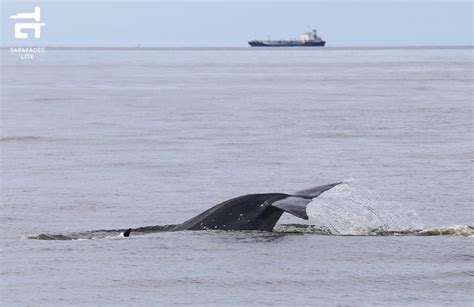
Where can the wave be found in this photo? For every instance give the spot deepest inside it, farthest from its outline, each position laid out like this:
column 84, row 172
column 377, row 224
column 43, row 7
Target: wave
column 20, row 138
column 100, row 234
column 456, row 230
column 348, row 209
column 33, row 139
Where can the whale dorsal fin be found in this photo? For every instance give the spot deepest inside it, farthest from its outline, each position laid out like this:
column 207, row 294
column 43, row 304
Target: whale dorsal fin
column 127, row 232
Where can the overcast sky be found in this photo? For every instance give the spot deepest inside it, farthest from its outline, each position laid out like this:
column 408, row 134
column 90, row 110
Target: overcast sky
column 232, row 23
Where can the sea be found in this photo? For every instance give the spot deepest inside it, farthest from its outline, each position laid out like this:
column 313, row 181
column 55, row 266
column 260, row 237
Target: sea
column 98, row 140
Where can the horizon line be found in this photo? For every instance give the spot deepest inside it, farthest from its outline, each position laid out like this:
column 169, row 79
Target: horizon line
column 247, row 47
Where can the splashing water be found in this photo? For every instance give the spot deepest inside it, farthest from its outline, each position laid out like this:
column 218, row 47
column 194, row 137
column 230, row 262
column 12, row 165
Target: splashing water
column 351, row 209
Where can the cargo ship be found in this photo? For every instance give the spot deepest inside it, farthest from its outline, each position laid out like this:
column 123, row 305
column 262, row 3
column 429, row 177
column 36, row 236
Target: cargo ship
column 307, row 39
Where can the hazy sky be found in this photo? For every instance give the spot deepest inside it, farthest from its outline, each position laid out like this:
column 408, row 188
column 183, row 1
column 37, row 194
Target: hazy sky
column 233, row 23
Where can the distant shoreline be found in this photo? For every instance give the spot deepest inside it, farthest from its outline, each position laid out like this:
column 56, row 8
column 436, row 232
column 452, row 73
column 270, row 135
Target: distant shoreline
column 239, row 48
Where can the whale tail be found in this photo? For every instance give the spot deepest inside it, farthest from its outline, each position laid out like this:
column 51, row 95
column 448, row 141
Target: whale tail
column 316, row 191
column 297, row 202
column 254, row 211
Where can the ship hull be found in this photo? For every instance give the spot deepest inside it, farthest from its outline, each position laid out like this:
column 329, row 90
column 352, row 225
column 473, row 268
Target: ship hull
column 286, row 44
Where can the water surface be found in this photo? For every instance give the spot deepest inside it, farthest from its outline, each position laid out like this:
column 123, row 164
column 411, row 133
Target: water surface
column 111, row 139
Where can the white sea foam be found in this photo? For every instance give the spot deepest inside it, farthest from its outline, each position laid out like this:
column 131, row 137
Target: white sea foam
column 456, row 230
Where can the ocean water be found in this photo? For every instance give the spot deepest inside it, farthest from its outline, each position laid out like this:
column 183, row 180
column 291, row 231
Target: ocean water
column 107, row 139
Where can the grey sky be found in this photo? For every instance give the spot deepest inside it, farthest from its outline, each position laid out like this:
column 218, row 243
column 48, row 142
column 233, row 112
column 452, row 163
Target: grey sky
column 225, row 23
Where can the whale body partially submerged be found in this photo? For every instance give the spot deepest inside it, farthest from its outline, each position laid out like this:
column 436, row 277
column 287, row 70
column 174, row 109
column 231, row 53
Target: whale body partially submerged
column 253, row 211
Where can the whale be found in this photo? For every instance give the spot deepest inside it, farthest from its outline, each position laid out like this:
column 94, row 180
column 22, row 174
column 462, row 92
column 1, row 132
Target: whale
column 252, row 211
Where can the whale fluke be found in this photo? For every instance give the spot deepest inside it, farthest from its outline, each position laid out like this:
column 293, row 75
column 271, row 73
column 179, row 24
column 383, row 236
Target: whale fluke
column 316, row 191
column 297, row 202
column 294, row 205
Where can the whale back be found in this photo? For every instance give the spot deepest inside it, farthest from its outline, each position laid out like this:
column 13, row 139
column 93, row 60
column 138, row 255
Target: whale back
column 247, row 212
